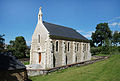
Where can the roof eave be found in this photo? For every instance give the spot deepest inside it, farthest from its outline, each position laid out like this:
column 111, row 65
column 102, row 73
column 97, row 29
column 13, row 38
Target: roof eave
column 68, row 38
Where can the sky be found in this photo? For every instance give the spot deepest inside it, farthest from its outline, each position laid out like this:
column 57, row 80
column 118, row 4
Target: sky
column 19, row 17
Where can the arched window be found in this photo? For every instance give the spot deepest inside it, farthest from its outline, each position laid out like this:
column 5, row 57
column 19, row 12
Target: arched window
column 38, row 38
column 52, row 47
column 84, row 47
column 77, row 46
column 56, row 45
column 68, row 46
column 39, row 17
column 64, row 47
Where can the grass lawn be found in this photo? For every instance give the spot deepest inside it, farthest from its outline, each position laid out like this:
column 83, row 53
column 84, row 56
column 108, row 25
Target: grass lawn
column 107, row 70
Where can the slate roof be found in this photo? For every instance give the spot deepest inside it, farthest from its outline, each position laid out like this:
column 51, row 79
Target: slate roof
column 57, row 30
column 9, row 62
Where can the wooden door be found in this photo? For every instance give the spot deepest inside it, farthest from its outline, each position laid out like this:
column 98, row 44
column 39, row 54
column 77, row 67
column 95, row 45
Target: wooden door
column 39, row 57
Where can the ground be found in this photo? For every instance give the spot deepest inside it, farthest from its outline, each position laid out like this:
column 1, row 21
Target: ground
column 107, row 70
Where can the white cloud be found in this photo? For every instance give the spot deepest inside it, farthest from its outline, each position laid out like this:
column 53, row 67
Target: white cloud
column 90, row 32
column 88, row 35
column 80, row 31
column 113, row 19
column 28, row 42
column 115, row 24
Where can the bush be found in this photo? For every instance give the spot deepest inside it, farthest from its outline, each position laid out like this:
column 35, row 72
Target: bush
column 119, row 48
column 105, row 50
column 95, row 50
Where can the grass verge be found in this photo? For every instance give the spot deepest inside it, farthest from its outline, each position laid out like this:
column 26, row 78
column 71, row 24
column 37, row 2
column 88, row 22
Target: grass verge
column 107, row 70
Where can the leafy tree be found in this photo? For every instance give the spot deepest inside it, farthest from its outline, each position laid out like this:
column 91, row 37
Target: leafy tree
column 11, row 47
column 2, row 44
column 116, row 38
column 102, row 33
column 18, row 47
column 92, row 43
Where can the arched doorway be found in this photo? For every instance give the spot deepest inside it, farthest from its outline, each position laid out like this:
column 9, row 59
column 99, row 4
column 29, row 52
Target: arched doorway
column 39, row 57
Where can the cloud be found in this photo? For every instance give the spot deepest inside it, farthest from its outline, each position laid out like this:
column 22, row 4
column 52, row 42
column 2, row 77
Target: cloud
column 28, row 42
column 113, row 19
column 115, row 24
column 80, row 31
column 89, row 34
column 86, row 34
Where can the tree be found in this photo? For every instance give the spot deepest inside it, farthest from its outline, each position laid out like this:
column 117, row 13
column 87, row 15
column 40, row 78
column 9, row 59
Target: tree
column 91, row 43
column 11, row 47
column 102, row 33
column 2, row 44
column 18, row 47
column 116, row 38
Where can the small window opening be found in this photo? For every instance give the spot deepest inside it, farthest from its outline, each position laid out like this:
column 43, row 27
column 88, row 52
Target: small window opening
column 39, row 38
column 57, row 46
column 68, row 46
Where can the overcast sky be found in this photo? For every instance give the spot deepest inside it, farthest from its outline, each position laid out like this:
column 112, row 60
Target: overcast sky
column 19, row 17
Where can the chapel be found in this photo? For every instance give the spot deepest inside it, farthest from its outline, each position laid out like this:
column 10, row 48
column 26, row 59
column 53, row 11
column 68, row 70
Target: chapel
column 55, row 45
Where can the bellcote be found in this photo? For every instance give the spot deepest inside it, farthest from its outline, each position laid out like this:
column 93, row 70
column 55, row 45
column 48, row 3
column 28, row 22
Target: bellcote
column 40, row 15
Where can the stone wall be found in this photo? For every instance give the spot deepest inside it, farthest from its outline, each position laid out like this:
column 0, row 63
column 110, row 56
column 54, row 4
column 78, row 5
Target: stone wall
column 13, row 75
column 40, row 45
column 34, row 72
column 74, row 54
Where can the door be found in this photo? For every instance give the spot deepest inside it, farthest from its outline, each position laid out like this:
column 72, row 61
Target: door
column 39, row 57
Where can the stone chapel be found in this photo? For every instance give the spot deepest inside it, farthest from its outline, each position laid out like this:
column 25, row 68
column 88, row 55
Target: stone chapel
column 55, row 45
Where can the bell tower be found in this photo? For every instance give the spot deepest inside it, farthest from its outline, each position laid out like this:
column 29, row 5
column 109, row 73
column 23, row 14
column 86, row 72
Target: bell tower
column 40, row 15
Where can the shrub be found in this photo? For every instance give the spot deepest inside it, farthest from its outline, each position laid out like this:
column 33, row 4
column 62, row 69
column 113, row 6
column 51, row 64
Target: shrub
column 95, row 50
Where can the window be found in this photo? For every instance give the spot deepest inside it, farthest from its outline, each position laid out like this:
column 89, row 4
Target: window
column 84, row 47
column 77, row 46
column 39, row 17
column 52, row 47
column 38, row 38
column 68, row 46
column 56, row 45
column 64, row 47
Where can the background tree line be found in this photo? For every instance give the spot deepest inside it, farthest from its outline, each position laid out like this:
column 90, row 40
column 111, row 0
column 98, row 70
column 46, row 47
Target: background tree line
column 17, row 47
column 104, row 41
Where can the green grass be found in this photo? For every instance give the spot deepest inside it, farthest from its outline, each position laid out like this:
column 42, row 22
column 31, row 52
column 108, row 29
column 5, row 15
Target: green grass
column 107, row 70
column 26, row 63
column 103, row 55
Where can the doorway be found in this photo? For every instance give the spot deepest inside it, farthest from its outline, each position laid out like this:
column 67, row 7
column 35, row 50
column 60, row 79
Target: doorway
column 39, row 57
